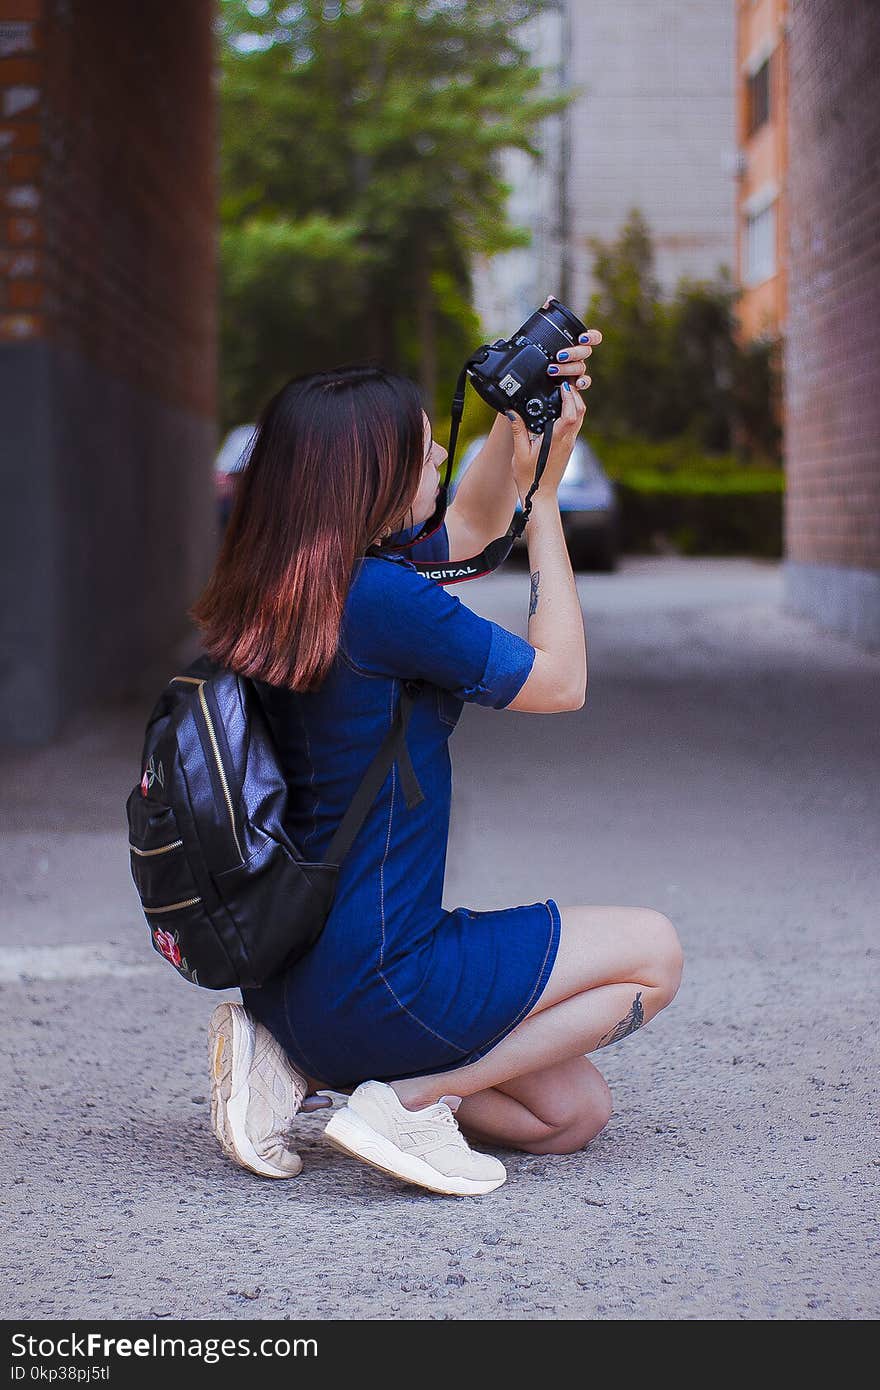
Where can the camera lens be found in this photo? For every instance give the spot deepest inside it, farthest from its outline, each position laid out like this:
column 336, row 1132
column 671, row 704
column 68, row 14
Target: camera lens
column 552, row 328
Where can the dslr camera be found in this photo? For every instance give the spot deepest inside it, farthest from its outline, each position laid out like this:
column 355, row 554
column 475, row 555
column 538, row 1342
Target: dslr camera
column 511, row 373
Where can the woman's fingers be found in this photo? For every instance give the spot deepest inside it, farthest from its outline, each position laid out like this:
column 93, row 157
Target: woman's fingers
column 570, row 361
column 525, row 444
column 569, row 403
column 573, row 408
column 521, row 438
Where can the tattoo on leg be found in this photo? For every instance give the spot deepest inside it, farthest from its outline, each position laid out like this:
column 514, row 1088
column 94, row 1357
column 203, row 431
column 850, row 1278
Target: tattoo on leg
column 634, row 1019
column 533, row 597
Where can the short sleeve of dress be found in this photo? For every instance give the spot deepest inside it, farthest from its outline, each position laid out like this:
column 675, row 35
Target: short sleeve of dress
column 399, row 622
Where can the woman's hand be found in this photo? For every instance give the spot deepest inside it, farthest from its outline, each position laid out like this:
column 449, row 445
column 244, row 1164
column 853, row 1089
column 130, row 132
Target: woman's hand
column 570, row 363
column 526, row 448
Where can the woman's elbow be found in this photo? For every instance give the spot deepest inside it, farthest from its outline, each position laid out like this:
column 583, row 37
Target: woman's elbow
column 572, row 700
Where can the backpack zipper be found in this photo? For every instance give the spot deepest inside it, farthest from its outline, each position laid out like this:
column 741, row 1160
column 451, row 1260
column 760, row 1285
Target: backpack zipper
column 161, row 849
column 193, row 680
column 172, row 907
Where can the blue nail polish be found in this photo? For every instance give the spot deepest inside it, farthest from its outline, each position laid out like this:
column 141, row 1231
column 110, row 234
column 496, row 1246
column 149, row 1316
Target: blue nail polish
column 567, row 385
column 562, row 356
column 552, row 370
column 584, row 338
column 510, row 415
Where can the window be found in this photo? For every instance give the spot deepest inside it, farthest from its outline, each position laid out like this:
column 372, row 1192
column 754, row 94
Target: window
column 760, row 246
column 759, row 97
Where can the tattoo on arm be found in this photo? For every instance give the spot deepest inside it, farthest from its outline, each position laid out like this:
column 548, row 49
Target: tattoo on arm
column 533, row 597
column 634, row 1019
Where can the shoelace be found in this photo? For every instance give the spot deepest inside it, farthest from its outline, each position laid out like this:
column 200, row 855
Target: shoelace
column 447, row 1118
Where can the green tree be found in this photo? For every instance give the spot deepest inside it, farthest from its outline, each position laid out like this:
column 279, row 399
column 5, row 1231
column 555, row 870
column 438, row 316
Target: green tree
column 674, row 367
column 635, row 345
column 758, row 389
column 700, row 363
column 360, row 175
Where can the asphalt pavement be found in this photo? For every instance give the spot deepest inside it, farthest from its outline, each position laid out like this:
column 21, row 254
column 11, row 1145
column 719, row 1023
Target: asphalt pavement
column 724, row 770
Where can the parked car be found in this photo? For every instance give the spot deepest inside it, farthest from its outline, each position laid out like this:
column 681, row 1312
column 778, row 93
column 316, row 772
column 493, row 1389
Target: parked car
column 587, row 503
column 232, row 458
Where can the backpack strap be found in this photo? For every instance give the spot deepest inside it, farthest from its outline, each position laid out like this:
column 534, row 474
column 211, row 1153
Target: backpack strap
column 393, row 748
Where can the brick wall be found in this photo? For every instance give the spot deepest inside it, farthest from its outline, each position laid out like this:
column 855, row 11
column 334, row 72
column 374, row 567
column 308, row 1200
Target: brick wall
column 833, row 347
column 22, row 95
column 107, row 345
column 107, row 168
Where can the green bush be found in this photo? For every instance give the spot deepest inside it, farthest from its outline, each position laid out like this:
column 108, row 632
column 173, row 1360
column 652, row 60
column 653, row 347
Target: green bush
column 701, row 523
column 672, row 496
column 677, row 465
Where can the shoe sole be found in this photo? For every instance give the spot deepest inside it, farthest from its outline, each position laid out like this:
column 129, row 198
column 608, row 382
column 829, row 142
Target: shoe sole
column 350, row 1134
column 230, row 1051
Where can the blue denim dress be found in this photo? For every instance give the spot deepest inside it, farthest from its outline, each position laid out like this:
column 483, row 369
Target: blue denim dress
column 395, row 985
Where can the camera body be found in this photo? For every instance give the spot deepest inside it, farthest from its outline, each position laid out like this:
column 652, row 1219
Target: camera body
column 511, row 373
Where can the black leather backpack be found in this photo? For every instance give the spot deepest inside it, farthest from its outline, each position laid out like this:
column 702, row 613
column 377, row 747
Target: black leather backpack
column 228, row 898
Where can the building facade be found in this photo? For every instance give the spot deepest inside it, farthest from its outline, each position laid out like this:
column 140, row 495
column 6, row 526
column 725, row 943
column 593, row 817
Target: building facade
column 107, row 346
column 653, row 126
column 762, row 194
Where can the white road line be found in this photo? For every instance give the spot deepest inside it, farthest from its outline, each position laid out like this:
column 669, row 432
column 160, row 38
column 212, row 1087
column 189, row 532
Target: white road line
column 82, row 962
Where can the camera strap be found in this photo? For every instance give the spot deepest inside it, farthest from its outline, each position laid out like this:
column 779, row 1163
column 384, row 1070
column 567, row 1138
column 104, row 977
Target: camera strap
column 497, row 551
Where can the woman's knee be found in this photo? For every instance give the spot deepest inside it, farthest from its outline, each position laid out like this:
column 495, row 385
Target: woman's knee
column 582, row 1124
column 574, row 1121
column 614, row 945
column 664, row 956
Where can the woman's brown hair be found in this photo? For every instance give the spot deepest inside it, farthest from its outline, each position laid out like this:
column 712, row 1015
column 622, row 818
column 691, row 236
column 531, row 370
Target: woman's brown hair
column 338, row 456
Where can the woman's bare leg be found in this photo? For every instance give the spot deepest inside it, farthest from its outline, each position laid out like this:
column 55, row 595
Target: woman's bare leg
column 615, row 969
column 556, row 1109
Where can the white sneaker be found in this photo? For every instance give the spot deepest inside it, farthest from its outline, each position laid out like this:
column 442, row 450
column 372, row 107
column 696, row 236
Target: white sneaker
column 420, row 1146
column 255, row 1093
